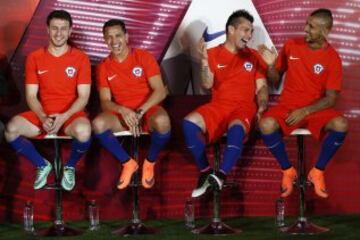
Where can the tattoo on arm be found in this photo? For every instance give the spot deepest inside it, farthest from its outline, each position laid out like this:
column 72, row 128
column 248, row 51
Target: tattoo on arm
column 205, row 72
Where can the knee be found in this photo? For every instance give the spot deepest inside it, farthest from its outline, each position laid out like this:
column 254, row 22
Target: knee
column 162, row 123
column 82, row 132
column 340, row 124
column 99, row 125
column 196, row 119
column 268, row 125
column 12, row 130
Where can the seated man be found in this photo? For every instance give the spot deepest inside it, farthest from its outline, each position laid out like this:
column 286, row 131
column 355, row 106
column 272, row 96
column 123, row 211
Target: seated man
column 312, row 84
column 131, row 90
column 60, row 74
column 232, row 71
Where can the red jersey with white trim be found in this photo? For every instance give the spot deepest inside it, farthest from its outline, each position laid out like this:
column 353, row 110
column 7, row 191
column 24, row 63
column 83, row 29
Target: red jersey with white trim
column 235, row 75
column 128, row 80
column 57, row 77
column 309, row 73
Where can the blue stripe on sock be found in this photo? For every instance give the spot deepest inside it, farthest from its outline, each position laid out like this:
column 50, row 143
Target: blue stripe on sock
column 195, row 143
column 233, row 148
column 110, row 143
column 276, row 145
column 158, row 142
column 27, row 149
column 78, row 149
column 329, row 147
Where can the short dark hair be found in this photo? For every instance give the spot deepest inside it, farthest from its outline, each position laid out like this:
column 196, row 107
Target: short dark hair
column 114, row 22
column 324, row 14
column 60, row 14
column 234, row 20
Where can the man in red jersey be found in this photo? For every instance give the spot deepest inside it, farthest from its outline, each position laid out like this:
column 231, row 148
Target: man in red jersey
column 57, row 89
column 131, row 89
column 233, row 72
column 311, row 86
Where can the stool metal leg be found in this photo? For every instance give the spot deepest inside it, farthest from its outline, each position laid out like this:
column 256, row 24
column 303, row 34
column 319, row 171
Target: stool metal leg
column 302, row 225
column 135, row 226
column 216, row 227
column 58, row 228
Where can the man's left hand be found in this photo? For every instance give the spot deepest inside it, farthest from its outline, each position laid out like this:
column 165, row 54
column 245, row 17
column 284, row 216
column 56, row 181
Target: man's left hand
column 296, row 116
column 59, row 120
column 260, row 112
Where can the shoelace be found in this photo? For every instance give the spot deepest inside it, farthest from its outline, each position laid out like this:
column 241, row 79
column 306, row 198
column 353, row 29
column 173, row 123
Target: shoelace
column 69, row 174
column 39, row 171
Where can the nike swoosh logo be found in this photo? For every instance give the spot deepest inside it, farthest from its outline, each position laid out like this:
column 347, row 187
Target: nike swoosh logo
column 150, row 182
column 293, row 58
column 111, row 77
column 208, row 37
column 42, row 71
column 220, row 66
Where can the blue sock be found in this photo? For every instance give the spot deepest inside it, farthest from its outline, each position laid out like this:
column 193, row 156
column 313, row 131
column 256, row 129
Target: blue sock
column 276, row 146
column 110, row 143
column 233, row 149
column 195, row 143
column 158, row 141
column 77, row 151
column 330, row 145
column 27, row 149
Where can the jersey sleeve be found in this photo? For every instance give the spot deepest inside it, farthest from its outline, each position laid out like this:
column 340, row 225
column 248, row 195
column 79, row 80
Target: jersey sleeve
column 211, row 60
column 334, row 77
column 84, row 75
column 31, row 76
column 260, row 66
column 281, row 60
column 101, row 76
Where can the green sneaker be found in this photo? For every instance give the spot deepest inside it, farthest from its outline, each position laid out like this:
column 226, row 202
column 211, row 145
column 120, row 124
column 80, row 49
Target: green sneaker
column 68, row 179
column 41, row 175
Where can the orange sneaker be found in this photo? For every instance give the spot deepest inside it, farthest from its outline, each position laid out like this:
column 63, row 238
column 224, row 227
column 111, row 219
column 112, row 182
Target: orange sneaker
column 128, row 170
column 317, row 177
column 148, row 179
column 287, row 181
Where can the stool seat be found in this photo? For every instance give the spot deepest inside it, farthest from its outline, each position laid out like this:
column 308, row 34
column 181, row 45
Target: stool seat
column 116, row 134
column 300, row 131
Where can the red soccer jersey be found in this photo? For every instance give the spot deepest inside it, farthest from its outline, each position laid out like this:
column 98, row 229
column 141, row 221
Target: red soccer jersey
column 57, row 77
column 309, row 73
column 235, row 75
column 129, row 80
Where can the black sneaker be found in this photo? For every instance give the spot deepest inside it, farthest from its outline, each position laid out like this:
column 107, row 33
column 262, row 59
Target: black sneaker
column 217, row 180
column 202, row 185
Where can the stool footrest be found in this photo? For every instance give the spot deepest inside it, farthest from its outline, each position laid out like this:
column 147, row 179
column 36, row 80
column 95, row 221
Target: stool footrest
column 230, row 184
column 132, row 184
column 53, row 186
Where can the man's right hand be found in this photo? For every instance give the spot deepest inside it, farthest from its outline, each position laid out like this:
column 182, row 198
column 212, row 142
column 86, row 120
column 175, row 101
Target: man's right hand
column 202, row 50
column 269, row 56
column 47, row 123
column 131, row 119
